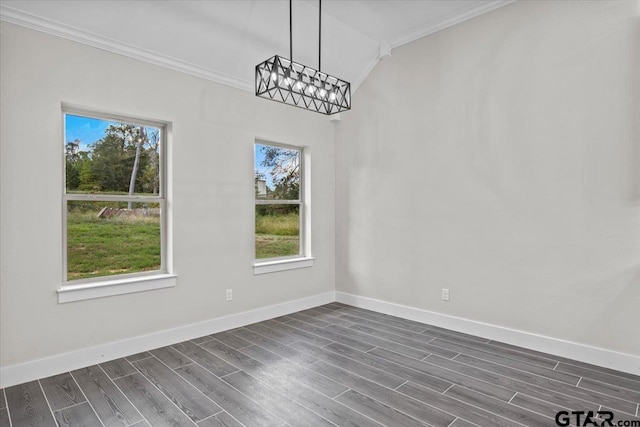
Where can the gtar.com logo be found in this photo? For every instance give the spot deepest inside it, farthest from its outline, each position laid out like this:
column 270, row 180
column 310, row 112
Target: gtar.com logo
column 591, row 418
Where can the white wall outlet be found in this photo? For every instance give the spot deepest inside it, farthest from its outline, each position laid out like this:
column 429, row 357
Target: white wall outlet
column 445, row 294
column 229, row 294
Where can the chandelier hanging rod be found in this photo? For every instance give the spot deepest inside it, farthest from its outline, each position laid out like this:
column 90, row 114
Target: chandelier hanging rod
column 319, row 34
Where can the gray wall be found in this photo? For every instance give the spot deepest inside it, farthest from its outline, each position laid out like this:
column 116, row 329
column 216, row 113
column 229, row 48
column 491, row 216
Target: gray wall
column 499, row 158
column 213, row 188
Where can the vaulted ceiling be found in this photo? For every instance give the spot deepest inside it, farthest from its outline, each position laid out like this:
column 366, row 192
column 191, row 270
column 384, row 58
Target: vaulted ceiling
column 223, row 40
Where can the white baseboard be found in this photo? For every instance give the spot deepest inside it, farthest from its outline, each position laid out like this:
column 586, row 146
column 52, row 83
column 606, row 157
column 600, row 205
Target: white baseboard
column 571, row 350
column 45, row 367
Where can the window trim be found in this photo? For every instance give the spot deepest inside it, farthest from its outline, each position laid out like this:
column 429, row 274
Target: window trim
column 304, row 258
column 282, row 264
column 120, row 286
column 94, row 287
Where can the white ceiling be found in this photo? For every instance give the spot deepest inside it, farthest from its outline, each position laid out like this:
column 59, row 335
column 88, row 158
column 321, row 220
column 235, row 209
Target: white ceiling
column 223, row 40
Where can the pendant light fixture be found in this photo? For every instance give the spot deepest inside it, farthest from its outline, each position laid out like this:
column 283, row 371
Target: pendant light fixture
column 283, row 80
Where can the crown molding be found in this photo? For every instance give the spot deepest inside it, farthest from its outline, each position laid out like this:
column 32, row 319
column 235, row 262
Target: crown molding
column 374, row 58
column 54, row 28
column 384, row 49
column 446, row 23
column 34, row 22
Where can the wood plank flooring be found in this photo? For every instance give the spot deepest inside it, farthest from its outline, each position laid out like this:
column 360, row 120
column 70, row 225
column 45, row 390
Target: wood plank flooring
column 333, row 365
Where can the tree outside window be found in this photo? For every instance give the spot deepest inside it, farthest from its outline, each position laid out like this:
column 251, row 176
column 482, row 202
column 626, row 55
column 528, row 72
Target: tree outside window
column 113, row 197
column 279, row 201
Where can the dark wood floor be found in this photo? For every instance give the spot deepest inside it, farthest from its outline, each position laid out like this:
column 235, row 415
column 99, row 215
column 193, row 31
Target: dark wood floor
column 331, row 365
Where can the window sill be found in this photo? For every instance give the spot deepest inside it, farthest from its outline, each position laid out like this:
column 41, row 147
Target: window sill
column 282, row 265
column 107, row 288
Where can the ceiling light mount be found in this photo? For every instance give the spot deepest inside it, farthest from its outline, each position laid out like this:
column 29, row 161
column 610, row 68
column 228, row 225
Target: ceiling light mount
column 283, row 80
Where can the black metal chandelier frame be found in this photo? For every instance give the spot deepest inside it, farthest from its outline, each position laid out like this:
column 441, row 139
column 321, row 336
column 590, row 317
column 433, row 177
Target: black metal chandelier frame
column 283, row 80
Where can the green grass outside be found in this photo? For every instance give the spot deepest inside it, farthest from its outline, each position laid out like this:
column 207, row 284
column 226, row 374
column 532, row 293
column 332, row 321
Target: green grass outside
column 104, row 247
column 277, row 235
column 98, row 247
column 271, row 246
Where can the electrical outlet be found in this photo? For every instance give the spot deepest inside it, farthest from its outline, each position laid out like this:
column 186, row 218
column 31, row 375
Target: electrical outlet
column 445, row 294
column 229, row 294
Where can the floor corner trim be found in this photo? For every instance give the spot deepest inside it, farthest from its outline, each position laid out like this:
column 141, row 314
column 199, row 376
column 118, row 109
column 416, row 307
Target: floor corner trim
column 571, row 350
column 52, row 365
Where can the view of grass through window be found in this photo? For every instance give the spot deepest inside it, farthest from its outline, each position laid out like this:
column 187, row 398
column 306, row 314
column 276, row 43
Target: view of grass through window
column 113, row 197
column 123, row 241
column 278, row 201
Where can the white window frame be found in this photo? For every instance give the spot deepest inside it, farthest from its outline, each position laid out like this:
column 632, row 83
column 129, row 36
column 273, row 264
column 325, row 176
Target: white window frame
column 303, row 259
column 96, row 287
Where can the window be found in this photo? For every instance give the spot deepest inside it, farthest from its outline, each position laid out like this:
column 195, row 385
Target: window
column 114, row 200
column 280, row 212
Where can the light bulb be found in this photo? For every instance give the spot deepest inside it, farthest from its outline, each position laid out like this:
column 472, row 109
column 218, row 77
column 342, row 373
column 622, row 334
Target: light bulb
column 287, row 75
column 322, row 93
column 332, row 96
column 274, row 76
